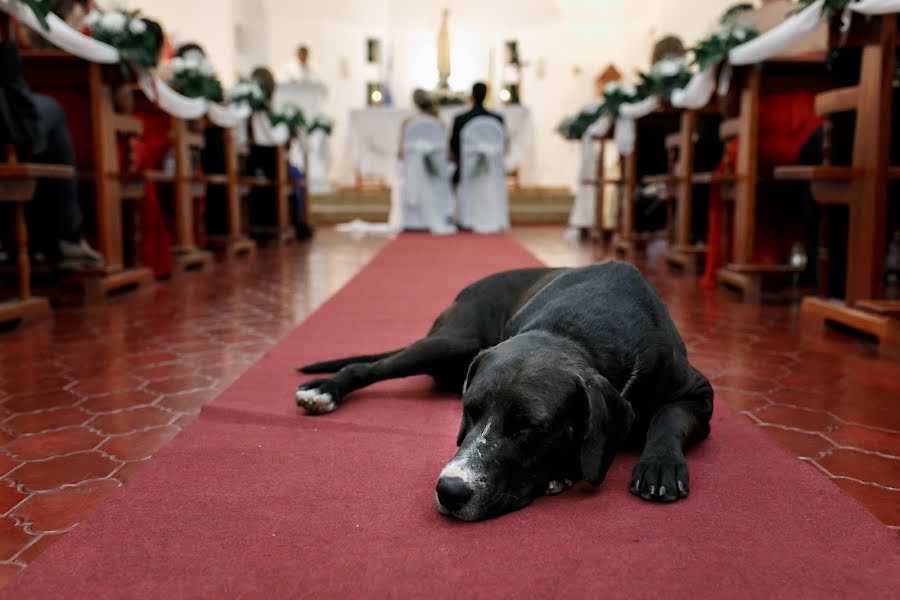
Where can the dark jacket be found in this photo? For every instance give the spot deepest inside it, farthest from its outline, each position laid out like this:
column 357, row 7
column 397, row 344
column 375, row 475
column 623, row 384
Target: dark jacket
column 458, row 123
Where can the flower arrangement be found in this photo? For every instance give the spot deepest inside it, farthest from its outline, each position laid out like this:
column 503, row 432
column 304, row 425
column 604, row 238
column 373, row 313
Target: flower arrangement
column 194, row 76
column 323, row 123
column 667, row 74
column 448, row 98
column 126, row 32
column 574, row 128
column 290, row 115
column 40, row 10
column 250, row 93
column 730, row 34
column 615, row 94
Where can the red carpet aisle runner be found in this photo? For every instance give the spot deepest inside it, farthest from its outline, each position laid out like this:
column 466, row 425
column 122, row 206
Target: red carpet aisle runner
column 256, row 500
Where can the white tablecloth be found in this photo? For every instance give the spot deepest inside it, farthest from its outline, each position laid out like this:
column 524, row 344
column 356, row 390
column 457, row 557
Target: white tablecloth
column 373, row 137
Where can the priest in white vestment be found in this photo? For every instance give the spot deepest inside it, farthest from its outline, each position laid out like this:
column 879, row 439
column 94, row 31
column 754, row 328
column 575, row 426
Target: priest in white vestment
column 298, row 69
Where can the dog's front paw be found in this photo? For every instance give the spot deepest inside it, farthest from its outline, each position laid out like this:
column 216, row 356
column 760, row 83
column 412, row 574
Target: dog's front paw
column 661, row 478
column 318, row 397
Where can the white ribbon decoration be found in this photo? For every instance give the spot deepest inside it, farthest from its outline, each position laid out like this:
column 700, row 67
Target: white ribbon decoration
column 227, row 117
column 600, row 127
column 266, row 134
column 170, row 101
column 639, row 110
column 625, row 136
column 876, row 7
column 697, row 93
column 62, row 35
column 419, row 150
column 779, row 38
column 485, row 149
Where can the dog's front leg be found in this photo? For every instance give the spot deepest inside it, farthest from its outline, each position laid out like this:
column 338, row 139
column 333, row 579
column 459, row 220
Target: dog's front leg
column 661, row 475
column 425, row 357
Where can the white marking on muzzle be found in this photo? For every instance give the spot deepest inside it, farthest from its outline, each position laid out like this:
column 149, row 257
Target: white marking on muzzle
column 462, row 466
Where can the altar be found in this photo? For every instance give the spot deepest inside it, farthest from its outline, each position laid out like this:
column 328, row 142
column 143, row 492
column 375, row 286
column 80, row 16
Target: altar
column 373, row 137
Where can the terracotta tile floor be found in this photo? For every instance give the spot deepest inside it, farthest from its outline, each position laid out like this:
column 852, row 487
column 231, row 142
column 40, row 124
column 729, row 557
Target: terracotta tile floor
column 86, row 399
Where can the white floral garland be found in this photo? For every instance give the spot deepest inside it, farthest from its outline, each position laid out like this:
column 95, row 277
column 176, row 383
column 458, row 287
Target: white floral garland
column 61, row 35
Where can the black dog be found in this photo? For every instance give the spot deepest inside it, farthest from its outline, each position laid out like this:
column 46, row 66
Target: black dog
column 559, row 368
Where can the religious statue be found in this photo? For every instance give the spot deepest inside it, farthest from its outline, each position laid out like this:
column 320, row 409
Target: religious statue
column 443, row 52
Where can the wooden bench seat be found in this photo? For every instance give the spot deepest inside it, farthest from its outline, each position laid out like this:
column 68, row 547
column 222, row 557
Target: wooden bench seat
column 661, row 179
column 707, row 178
column 836, row 101
column 730, row 128
column 18, row 182
column 863, row 186
column 816, row 173
column 889, row 308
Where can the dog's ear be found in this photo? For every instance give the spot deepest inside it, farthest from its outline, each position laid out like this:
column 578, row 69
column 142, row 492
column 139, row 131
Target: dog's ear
column 473, row 370
column 608, row 420
column 463, row 431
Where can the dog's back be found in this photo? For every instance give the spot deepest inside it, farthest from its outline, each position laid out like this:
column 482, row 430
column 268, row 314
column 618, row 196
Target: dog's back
column 611, row 310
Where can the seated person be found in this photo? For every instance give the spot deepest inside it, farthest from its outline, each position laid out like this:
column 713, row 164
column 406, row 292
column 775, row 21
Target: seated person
column 261, row 162
column 41, row 134
column 479, row 145
column 649, row 211
column 425, row 200
column 479, row 95
column 149, row 152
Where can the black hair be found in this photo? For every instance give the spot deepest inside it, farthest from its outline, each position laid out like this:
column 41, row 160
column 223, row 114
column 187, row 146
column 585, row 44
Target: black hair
column 668, row 47
column 156, row 32
column 62, row 8
column 266, row 81
column 302, row 49
column 189, row 47
column 736, row 10
column 479, row 92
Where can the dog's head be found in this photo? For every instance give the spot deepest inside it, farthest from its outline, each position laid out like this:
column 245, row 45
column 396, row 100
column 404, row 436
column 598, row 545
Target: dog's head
column 535, row 418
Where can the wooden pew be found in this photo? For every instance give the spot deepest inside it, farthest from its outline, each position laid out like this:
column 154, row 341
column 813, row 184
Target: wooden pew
column 185, row 185
column 234, row 242
column 17, row 186
column 741, row 270
column 652, row 132
column 601, row 182
column 862, row 186
column 683, row 253
column 281, row 231
column 87, row 90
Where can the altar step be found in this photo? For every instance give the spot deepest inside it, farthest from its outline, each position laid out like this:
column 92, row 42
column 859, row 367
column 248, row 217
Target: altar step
column 546, row 206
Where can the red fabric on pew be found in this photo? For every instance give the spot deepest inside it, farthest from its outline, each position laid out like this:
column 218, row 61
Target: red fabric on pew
column 148, row 153
column 256, row 500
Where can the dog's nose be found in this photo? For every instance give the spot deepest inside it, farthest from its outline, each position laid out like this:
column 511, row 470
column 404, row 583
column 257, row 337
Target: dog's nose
column 453, row 493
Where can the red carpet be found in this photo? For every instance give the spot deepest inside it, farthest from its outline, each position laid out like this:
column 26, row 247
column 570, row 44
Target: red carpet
column 256, row 500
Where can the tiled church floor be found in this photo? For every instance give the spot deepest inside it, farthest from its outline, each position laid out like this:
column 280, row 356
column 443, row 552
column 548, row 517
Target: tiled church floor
column 86, row 399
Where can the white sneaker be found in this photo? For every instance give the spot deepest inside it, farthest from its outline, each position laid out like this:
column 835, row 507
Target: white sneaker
column 80, row 255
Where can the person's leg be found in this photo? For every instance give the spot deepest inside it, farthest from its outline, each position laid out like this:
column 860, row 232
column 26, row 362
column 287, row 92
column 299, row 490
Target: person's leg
column 56, row 200
column 811, row 154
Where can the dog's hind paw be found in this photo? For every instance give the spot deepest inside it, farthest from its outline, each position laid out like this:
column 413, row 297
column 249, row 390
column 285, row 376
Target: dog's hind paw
column 315, row 401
